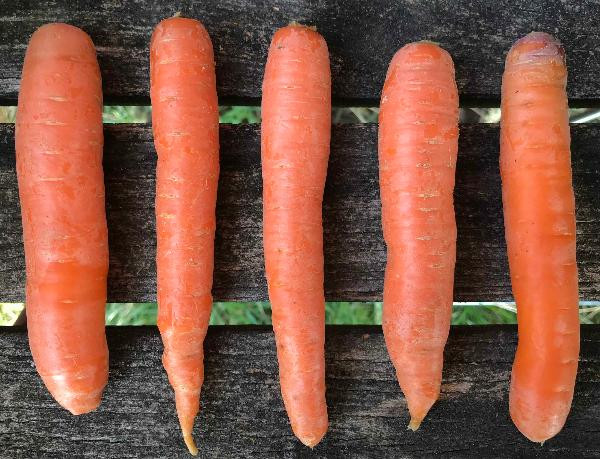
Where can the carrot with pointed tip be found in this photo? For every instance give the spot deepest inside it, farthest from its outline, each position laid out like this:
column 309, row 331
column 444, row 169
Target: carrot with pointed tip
column 418, row 144
column 296, row 118
column 59, row 143
column 185, row 121
column 539, row 219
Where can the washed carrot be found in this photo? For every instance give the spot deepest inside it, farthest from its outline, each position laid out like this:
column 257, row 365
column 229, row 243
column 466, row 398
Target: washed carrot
column 185, row 121
column 418, row 144
column 59, row 144
column 296, row 118
column 539, row 219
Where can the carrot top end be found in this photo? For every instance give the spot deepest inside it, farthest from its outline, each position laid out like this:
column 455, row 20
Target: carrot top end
column 430, row 42
column 536, row 46
column 297, row 24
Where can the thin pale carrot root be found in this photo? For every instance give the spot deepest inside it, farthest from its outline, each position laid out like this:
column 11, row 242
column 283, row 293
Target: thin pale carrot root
column 414, row 424
column 185, row 122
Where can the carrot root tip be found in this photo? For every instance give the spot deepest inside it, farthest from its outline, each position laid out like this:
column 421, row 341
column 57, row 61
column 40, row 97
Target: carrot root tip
column 414, row 424
column 310, row 441
column 191, row 445
column 187, row 405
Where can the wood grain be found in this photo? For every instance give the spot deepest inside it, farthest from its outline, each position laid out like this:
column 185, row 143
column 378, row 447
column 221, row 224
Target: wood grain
column 362, row 38
column 354, row 247
column 242, row 412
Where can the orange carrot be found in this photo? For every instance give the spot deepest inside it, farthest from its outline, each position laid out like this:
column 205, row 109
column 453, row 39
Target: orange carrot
column 418, row 143
column 59, row 166
column 185, row 121
column 539, row 219
column 296, row 126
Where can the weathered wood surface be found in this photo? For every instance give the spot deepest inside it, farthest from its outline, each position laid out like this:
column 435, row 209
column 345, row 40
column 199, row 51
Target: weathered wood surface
column 243, row 415
column 362, row 37
column 354, row 246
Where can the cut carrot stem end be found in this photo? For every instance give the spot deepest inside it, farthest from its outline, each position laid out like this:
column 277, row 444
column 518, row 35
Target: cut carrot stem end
column 414, row 424
column 297, row 24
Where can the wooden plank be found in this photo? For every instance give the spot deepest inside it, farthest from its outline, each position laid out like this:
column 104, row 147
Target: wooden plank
column 243, row 415
column 354, row 247
column 362, row 37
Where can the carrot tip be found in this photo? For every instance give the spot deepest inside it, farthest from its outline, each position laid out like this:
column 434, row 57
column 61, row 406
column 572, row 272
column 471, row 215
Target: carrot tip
column 414, row 424
column 191, row 445
column 310, row 441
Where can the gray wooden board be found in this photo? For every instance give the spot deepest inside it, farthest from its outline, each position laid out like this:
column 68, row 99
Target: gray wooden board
column 354, row 246
column 362, row 38
column 243, row 415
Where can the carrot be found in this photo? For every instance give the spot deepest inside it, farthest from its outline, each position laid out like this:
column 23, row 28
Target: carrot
column 185, row 122
column 59, row 145
column 418, row 143
column 296, row 128
column 539, row 219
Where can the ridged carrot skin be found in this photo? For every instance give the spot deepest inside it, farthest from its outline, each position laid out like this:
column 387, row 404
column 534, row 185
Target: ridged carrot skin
column 59, row 143
column 296, row 127
column 185, row 122
column 418, row 144
column 539, row 219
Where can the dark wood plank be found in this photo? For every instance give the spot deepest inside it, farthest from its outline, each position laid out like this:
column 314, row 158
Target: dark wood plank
column 243, row 415
column 354, row 247
column 362, row 37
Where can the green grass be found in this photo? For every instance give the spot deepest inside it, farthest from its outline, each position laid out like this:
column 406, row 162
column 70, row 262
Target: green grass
column 482, row 315
column 130, row 313
column 259, row 313
column 234, row 313
column 9, row 312
column 113, row 114
column 142, row 114
column 339, row 313
column 238, row 115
